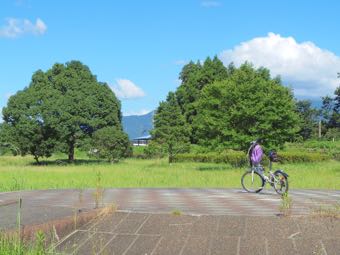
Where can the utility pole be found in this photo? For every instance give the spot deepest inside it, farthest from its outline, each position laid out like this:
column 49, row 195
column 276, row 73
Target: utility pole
column 319, row 128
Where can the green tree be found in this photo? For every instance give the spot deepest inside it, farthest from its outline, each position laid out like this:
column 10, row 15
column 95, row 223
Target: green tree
column 309, row 118
column 194, row 78
column 24, row 130
column 247, row 105
column 111, row 143
column 68, row 102
column 171, row 131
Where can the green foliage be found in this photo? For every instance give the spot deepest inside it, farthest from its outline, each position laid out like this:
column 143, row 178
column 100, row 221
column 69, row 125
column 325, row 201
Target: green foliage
column 111, row 143
column 25, row 130
column 12, row 245
column 331, row 110
column 329, row 148
column 333, row 133
column 247, row 105
column 155, row 149
column 234, row 158
column 194, row 78
column 239, row 158
column 309, row 118
column 300, row 157
column 61, row 109
column 171, row 133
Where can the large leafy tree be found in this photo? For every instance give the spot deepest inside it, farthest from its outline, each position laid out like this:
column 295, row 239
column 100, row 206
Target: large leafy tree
column 247, row 105
column 68, row 102
column 309, row 118
column 194, row 77
column 171, row 131
column 24, row 130
column 331, row 109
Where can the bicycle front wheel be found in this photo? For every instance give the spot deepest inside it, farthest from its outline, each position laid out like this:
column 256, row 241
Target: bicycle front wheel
column 252, row 182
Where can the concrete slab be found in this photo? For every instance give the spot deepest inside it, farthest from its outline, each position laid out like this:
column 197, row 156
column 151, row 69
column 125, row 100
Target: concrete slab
column 95, row 243
column 171, row 244
column 222, row 245
column 332, row 246
column 143, row 245
column 254, row 245
column 196, row 245
column 310, row 246
column 119, row 244
column 271, row 227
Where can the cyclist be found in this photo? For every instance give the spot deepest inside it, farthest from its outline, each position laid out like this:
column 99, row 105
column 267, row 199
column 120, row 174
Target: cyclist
column 255, row 155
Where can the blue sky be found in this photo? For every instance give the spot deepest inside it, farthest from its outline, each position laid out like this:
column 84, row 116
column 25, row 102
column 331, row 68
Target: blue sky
column 139, row 47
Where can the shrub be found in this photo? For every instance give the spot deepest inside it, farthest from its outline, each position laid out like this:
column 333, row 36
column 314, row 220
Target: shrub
column 238, row 158
column 235, row 158
column 299, row 157
column 111, row 143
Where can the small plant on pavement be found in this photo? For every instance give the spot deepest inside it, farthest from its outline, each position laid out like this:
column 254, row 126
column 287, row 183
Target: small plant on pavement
column 98, row 194
column 286, row 205
column 176, row 212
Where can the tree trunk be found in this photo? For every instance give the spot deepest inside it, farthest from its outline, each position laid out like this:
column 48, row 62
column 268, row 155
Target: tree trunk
column 71, row 152
column 170, row 154
column 37, row 159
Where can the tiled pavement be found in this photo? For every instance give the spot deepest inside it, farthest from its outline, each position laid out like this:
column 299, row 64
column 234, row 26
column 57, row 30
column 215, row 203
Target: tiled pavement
column 151, row 234
column 213, row 221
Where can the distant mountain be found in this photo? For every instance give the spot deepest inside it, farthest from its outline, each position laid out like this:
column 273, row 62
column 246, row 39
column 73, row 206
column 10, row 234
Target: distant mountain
column 138, row 125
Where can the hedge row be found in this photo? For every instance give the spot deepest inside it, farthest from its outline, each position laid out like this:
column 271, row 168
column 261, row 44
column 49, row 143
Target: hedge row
column 299, row 157
column 237, row 158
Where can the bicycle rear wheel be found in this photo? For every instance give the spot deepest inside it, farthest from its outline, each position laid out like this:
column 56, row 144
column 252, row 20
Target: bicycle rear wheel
column 280, row 183
column 252, row 182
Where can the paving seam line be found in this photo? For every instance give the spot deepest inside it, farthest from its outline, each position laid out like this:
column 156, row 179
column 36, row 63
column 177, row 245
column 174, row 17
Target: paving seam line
column 238, row 245
column 113, row 237
column 184, row 245
column 65, row 238
column 266, row 246
column 140, row 227
column 129, row 247
column 157, row 244
column 323, row 247
column 84, row 242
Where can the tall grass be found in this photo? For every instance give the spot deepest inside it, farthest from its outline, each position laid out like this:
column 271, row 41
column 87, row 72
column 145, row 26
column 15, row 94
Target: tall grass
column 17, row 173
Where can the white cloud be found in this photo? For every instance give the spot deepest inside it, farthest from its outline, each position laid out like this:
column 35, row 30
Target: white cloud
column 139, row 112
column 210, row 4
column 18, row 27
column 310, row 70
column 126, row 89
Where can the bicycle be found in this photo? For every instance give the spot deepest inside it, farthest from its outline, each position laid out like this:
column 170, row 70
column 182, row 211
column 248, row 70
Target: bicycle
column 255, row 179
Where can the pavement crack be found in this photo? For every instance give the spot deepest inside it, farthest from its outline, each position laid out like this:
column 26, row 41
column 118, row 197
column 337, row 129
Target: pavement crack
column 293, row 235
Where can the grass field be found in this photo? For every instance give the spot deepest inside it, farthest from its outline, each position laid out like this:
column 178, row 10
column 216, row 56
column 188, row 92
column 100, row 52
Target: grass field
column 19, row 173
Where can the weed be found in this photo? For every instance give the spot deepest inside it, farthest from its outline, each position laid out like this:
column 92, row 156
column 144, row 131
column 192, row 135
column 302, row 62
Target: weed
column 176, row 212
column 286, row 205
column 332, row 211
column 99, row 193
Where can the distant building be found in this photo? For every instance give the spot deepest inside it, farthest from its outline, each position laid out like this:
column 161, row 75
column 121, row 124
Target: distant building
column 141, row 141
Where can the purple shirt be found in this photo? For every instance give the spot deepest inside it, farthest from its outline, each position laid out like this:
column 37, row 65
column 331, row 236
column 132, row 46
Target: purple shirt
column 256, row 154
